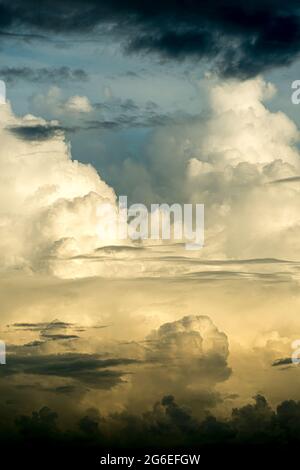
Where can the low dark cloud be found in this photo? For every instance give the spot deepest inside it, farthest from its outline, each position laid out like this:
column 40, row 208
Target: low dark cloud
column 87, row 369
column 292, row 179
column 44, row 75
column 33, row 344
column 55, row 330
column 55, row 337
column 241, row 38
column 120, row 115
column 38, row 132
column 282, row 362
column 131, row 116
column 59, row 390
column 40, row 326
column 222, row 275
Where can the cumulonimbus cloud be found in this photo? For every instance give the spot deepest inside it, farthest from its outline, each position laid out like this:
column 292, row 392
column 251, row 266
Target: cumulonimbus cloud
column 227, row 161
column 49, row 202
column 52, row 207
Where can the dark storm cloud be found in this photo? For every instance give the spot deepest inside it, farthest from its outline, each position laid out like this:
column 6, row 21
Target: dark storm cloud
column 292, row 179
column 58, row 337
column 52, row 75
column 131, row 116
column 39, row 132
column 123, row 122
column 53, row 331
column 41, row 326
column 282, row 362
column 119, row 115
column 242, row 38
column 89, row 369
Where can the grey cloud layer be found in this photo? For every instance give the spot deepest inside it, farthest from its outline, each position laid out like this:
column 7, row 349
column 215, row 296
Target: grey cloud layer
column 190, row 352
column 241, row 38
column 88, row 369
column 45, row 74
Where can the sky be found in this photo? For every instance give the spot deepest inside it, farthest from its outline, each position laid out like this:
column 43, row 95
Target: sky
column 169, row 102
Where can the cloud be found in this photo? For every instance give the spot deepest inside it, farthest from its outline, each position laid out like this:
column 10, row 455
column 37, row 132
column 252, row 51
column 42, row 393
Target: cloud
column 245, row 146
column 192, row 337
column 241, row 39
column 78, row 104
column 282, row 362
column 53, row 103
column 225, row 160
column 45, row 74
column 41, row 334
column 188, row 358
column 54, row 325
column 79, row 114
column 36, row 132
column 292, row 179
column 56, row 337
column 87, row 369
column 51, row 197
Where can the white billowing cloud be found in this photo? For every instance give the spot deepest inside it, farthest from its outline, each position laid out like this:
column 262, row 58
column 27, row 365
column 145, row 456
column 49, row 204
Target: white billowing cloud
column 187, row 358
column 230, row 160
column 234, row 162
column 50, row 205
column 242, row 149
column 80, row 104
column 242, row 129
